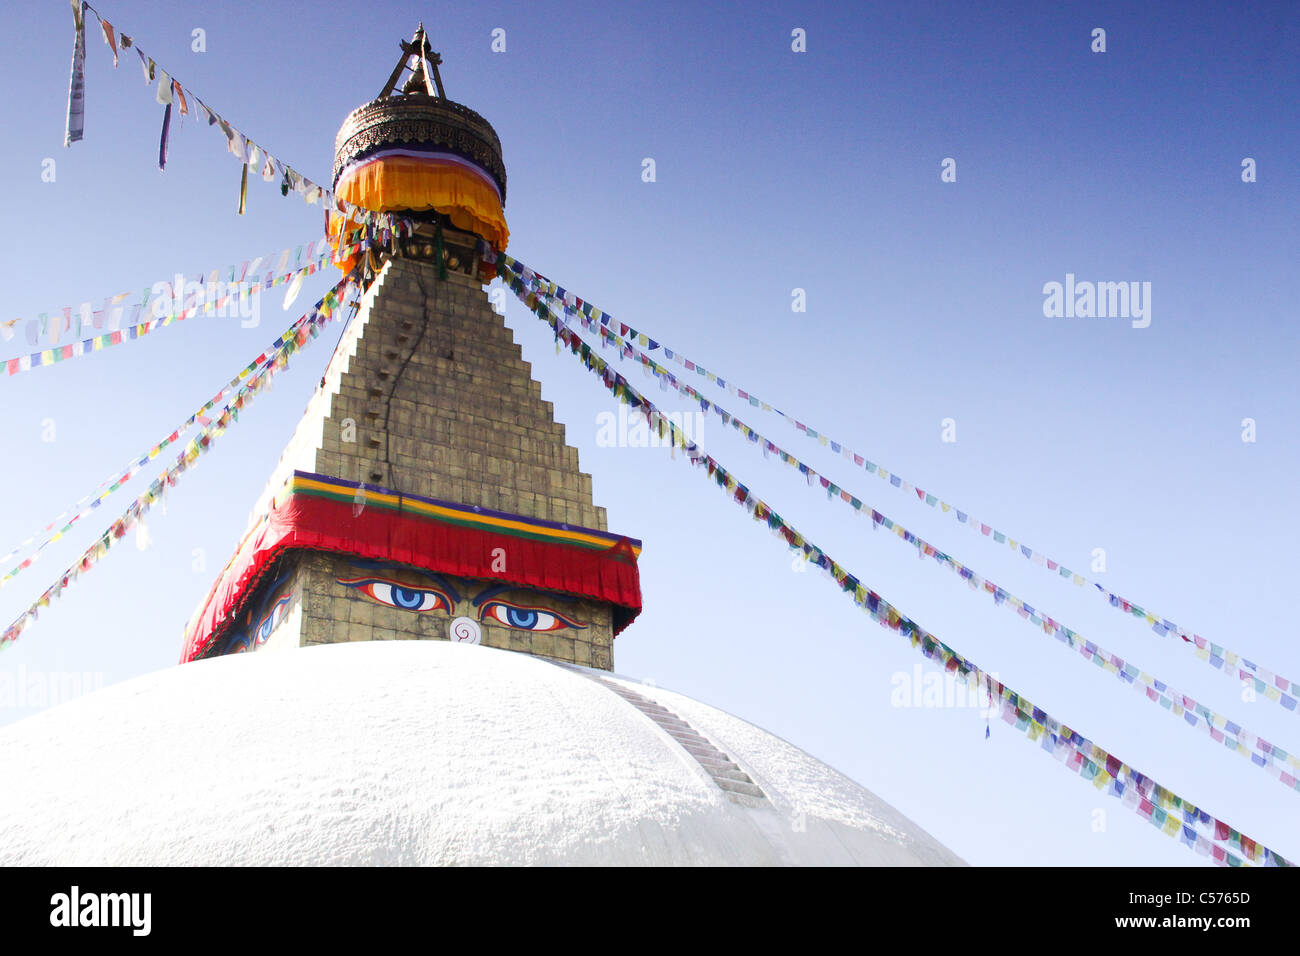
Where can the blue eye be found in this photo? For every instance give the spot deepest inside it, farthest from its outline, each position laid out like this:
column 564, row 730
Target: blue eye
column 517, row 617
column 406, row 597
column 527, row 618
column 272, row 620
column 398, row 595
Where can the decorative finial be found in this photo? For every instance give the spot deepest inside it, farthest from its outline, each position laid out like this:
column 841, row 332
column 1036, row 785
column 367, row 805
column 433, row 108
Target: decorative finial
column 424, row 73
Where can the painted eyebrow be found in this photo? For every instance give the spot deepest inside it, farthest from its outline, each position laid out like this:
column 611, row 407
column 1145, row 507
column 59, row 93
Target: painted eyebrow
column 494, row 590
column 490, row 592
column 272, row 593
column 435, row 578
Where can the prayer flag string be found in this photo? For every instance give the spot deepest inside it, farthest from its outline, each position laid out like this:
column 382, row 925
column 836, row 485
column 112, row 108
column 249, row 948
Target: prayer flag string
column 1271, row 758
column 209, row 297
column 248, row 152
column 275, row 359
column 101, row 492
column 1157, row 804
column 1281, row 690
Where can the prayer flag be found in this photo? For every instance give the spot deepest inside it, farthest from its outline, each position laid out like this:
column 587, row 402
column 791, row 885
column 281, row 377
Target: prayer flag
column 109, row 39
column 77, row 81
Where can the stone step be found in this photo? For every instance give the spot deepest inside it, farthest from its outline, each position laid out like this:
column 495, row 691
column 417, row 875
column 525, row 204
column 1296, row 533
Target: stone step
column 737, row 774
column 724, row 772
column 702, row 754
column 686, row 733
column 693, row 741
column 658, row 712
column 721, row 762
column 736, row 786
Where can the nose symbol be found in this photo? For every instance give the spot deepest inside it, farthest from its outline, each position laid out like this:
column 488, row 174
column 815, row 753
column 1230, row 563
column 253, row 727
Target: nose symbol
column 465, row 630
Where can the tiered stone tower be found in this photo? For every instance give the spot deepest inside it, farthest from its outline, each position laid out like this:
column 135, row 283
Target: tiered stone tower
column 427, row 492
column 452, row 413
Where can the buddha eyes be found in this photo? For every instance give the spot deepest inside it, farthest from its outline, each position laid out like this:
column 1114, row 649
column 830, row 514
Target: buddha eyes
column 271, row 621
column 407, row 597
column 526, row 618
column 399, row 595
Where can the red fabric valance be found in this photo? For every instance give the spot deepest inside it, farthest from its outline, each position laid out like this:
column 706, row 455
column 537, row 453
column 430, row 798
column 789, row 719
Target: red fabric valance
column 454, row 544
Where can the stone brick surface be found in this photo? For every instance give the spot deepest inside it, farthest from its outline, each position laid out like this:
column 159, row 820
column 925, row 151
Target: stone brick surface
column 428, row 394
column 331, row 611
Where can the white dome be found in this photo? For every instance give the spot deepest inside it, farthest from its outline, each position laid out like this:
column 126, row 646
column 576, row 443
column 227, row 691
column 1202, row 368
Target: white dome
column 422, row 752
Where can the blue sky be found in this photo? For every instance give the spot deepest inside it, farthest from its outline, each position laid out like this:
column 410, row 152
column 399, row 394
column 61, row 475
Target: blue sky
column 774, row 171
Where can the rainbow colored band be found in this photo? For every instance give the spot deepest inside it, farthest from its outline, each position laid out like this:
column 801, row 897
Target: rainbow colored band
column 465, row 516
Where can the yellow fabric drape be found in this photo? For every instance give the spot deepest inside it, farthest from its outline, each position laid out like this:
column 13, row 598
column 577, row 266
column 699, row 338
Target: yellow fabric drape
column 396, row 183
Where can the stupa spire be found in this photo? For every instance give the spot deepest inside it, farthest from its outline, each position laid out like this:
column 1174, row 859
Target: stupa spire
column 418, row 57
column 427, row 492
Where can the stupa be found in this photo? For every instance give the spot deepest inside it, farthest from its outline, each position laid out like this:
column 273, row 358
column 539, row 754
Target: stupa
column 428, row 491
column 332, row 707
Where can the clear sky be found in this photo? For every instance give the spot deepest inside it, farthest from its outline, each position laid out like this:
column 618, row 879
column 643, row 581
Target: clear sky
column 775, row 171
